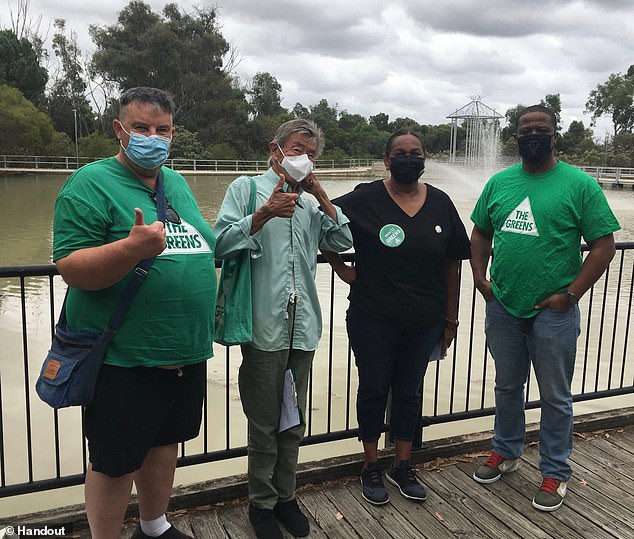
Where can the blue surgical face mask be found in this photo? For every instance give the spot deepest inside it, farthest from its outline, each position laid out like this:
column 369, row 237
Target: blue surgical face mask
column 148, row 152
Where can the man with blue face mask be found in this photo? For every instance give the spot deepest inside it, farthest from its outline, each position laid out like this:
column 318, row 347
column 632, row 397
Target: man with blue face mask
column 534, row 214
column 283, row 236
column 151, row 385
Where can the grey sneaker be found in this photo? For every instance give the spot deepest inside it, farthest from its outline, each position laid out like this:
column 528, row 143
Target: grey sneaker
column 494, row 467
column 405, row 478
column 550, row 495
column 373, row 489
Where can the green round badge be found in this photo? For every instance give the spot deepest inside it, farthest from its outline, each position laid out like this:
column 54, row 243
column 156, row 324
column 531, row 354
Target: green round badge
column 391, row 235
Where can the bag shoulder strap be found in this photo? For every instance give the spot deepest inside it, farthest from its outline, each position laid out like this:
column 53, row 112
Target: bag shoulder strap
column 252, row 195
column 142, row 268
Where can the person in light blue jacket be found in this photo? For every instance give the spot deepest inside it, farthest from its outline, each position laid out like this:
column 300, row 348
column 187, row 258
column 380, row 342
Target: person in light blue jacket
column 283, row 235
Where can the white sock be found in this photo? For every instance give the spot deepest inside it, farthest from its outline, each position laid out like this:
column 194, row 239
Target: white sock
column 155, row 527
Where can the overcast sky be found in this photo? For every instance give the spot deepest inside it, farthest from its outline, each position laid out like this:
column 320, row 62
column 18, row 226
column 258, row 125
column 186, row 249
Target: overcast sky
column 421, row 59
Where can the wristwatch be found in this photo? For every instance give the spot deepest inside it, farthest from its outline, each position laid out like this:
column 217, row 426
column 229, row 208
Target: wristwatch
column 571, row 297
column 449, row 321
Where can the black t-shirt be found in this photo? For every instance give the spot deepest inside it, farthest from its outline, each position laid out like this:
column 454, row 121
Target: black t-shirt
column 400, row 260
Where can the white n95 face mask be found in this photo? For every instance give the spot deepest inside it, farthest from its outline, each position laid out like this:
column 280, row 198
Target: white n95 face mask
column 298, row 166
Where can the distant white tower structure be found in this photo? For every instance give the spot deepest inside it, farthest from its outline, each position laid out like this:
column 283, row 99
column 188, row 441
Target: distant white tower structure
column 482, row 124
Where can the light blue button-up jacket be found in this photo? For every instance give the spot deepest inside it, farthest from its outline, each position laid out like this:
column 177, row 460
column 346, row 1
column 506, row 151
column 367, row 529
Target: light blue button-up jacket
column 283, row 247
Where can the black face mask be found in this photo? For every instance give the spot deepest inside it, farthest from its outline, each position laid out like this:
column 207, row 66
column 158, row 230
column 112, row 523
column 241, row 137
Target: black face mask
column 406, row 169
column 535, row 148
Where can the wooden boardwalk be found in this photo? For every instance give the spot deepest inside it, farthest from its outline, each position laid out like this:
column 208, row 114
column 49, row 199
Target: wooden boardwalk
column 599, row 503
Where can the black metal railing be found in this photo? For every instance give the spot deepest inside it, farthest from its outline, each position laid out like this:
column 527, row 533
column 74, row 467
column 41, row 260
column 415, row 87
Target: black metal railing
column 457, row 388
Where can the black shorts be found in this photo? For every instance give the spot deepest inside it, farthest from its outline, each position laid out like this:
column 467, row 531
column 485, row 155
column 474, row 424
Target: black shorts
column 135, row 409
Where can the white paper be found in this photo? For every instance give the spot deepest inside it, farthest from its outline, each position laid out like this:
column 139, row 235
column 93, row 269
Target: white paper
column 435, row 353
column 289, row 412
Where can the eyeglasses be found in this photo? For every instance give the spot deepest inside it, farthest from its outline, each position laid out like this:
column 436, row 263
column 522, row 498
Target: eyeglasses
column 170, row 213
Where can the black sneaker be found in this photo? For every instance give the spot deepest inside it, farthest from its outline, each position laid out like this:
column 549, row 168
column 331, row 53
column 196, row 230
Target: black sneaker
column 264, row 523
column 405, row 478
column 170, row 533
column 373, row 489
column 291, row 516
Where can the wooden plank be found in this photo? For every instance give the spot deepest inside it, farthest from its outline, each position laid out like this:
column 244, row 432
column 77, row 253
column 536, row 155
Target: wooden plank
column 518, row 489
column 328, row 518
column 576, row 511
column 492, row 510
column 618, row 438
column 598, row 508
column 355, row 513
column 435, row 517
column 315, row 529
column 604, row 478
column 395, row 516
column 235, row 520
column 621, row 461
column 207, row 524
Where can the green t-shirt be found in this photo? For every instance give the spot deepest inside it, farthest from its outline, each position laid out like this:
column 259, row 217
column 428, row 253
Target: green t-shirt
column 170, row 320
column 538, row 221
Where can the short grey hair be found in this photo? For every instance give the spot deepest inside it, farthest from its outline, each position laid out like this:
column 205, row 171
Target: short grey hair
column 146, row 95
column 305, row 127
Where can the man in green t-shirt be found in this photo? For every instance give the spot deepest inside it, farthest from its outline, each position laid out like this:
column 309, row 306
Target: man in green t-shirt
column 534, row 214
column 150, row 388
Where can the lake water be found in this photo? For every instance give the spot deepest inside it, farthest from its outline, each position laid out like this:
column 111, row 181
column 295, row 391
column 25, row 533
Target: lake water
column 26, row 206
column 26, row 212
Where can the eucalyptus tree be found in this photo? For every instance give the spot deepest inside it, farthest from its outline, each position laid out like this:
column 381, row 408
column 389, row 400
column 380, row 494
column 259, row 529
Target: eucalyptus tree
column 614, row 98
column 20, row 66
column 265, row 95
column 31, row 131
column 179, row 52
column 67, row 100
column 553, row 102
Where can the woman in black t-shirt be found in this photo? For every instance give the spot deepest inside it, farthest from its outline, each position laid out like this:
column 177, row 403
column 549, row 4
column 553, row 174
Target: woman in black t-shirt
column 409, row 242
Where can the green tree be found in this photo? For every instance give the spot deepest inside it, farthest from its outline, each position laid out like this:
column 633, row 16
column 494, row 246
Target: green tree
column 381, row 120
column 180, row 53
column 185, row 144
column 614, row 98
column 511, row 119
column 265, row 95
column 575, row 141
column 553, row 102
column 98, row 145
column 438, row 137
column 300, row 111
column 31, row 130
column 20, row 66
column 352, row 122
column 622, row 150
column 403, row 123
column 67, row 103
column 349, row 135
column 325, row 116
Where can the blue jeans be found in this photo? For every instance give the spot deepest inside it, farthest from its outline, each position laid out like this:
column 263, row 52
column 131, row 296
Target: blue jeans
column 389, row 356
column 551, row 346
